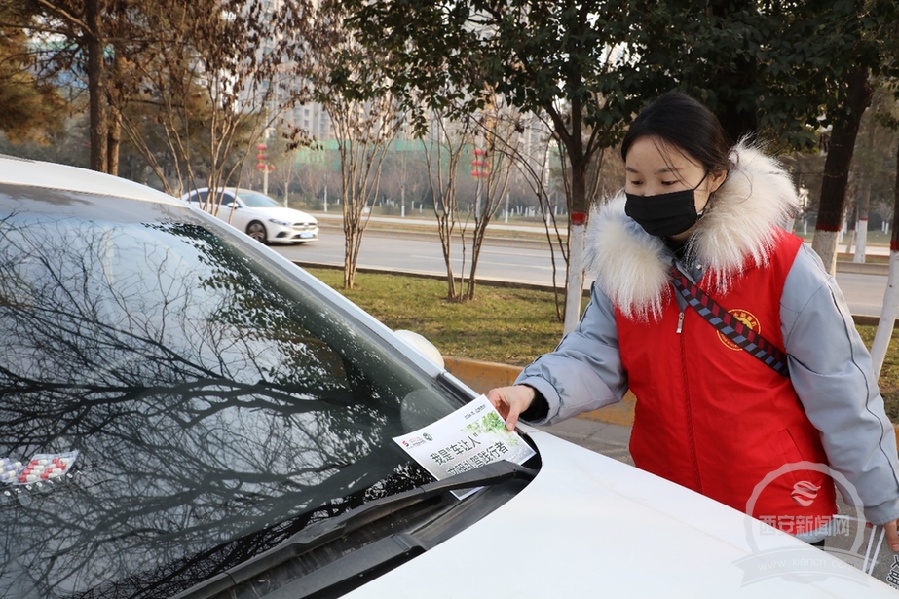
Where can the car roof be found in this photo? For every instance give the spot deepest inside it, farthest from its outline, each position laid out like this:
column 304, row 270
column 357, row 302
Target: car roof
column 33, row 173
column 221, row 189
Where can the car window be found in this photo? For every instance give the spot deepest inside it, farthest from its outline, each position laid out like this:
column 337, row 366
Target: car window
column 257, row 200
column 222, row 198
column 214, row 394
column 226, row 198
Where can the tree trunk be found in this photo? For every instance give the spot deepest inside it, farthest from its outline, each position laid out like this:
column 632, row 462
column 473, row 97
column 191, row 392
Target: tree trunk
column 890, row 305
column 575, row 286
column 446, row 224
column 861, row 225
column 864, row 206
column 114, row 142
column 857, row 97
column 97, row 88
column 351, row 251
column 574, row 290
column 116, row 103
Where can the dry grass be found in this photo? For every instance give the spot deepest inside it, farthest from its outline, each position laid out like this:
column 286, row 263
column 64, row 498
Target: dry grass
column 502, row 324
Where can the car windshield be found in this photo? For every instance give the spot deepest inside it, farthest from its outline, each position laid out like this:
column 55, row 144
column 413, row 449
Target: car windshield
column 255, row 199
column 188, row 392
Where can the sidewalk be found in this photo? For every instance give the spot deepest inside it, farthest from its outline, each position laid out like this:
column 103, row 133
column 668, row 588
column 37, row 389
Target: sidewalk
column 608, row 439
column 606, row 431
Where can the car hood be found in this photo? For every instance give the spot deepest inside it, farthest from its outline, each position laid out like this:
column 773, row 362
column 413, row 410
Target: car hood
column 589, row 525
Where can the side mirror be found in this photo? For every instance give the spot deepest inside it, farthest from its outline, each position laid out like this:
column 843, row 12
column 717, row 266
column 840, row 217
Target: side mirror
column 421, row 345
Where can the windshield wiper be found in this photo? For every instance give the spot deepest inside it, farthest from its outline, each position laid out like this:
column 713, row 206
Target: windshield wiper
column 373, row 555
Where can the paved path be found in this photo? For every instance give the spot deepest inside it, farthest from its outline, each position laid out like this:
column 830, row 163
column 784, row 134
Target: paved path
column 608, row 439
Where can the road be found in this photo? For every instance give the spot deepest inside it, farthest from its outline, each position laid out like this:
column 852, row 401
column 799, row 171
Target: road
column 526, row 262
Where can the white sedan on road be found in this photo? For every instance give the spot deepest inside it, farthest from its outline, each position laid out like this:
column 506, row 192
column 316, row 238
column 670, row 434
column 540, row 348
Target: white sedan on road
column 257, row 215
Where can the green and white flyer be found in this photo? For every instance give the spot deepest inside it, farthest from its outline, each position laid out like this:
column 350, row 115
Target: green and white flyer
column 472, row 436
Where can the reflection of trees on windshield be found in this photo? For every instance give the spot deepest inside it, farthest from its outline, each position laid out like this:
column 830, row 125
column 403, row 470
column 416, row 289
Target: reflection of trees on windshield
column 208, row 401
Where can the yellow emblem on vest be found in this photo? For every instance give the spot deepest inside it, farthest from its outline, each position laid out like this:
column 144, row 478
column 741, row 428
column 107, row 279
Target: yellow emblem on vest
column 746, row 318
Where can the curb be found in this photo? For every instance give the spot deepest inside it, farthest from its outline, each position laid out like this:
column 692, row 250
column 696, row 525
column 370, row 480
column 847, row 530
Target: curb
column 863, row 268
column 422, row 275
column 483, row 376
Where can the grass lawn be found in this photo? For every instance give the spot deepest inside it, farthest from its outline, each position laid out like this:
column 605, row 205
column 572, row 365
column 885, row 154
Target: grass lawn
column 511, row 325
column 502, row 324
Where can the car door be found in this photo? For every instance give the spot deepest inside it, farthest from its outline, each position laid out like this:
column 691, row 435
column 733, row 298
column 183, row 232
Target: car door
column 230, row 211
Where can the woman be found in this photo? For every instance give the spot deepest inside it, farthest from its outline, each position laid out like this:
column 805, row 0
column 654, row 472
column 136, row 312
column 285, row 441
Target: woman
column 711, row 415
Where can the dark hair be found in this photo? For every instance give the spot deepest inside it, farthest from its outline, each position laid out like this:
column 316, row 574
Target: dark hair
column 686, row 124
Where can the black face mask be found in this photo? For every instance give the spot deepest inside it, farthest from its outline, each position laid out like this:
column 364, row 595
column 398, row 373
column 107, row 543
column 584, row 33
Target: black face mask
column 664, row 215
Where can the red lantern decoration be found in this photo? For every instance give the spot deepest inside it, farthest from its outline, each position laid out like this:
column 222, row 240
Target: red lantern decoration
column 479, row 163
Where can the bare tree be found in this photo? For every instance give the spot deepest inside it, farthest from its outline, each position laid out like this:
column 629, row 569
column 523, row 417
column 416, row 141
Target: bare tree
column 219, row 84
column 485, row 138
column 314, row 176
column 534, row 162
column 444, row 151
column 406, row 173
column 364, row 134
column 869, row 175
column 273, row 166
column 365, row 124
column 201, row 79
column 495, row 135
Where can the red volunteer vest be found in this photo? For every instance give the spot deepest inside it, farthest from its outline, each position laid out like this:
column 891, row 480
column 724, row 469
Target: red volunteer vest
column 713, row 418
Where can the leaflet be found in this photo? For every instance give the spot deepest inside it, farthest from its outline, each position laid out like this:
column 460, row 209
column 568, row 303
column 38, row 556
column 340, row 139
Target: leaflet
column 470, row 437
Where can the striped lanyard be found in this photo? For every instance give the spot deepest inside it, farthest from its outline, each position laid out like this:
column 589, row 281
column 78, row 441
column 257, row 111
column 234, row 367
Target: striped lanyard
column 741, row 335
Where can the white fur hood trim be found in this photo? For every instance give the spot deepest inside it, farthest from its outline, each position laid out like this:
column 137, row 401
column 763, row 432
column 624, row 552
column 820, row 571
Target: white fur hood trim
column 737, row 231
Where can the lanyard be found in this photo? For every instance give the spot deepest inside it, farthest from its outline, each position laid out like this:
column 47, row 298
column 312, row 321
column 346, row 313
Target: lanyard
column 729, row 326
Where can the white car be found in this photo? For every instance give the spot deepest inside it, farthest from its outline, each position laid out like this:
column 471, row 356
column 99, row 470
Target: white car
column 257, row 215
column 186, row 413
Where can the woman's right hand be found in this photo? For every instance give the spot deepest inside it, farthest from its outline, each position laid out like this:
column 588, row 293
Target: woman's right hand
column 510, row 402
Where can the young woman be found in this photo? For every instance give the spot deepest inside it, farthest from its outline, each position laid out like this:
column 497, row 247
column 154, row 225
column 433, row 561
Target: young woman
column 711, row 414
